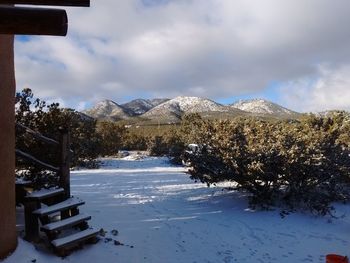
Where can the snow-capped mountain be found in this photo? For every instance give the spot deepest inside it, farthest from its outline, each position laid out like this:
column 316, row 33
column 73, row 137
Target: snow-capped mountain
column 261, row 106
column 182, row 104
column 157, row 101
column 108, row 109
column 169, row 111
column 140, row 106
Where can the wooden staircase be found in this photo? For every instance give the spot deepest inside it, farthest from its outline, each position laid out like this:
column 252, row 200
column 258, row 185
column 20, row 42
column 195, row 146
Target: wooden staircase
column 59, row 220
column 53, row 213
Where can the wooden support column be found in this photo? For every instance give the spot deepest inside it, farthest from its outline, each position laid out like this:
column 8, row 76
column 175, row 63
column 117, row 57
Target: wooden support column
column 8, row 235
column 32, row 221
column 64, row 171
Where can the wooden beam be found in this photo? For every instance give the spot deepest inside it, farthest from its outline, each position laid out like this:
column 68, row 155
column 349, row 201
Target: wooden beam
column 33, row 21
column 85, row 3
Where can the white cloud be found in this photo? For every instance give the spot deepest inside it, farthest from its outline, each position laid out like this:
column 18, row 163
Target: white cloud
column 212, row 48
column 331, row 90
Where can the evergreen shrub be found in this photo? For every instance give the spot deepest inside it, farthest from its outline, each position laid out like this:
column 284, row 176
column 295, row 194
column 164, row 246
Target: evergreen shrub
column 299, row 164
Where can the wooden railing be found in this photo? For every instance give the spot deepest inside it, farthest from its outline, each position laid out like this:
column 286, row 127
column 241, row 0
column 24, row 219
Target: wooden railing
column 32, row 159
column 37, row 135
column 64, row 152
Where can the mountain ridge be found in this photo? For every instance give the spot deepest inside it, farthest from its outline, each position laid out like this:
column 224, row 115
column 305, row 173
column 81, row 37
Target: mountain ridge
column 171, row 110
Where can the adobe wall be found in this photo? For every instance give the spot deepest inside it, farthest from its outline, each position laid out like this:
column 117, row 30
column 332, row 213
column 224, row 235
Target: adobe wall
column 8, row 235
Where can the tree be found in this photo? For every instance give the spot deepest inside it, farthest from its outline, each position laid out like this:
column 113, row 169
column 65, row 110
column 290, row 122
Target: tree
column 112, row 136
column 47, row 119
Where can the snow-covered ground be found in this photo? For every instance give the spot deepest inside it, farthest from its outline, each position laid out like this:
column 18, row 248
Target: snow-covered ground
column 162, row 216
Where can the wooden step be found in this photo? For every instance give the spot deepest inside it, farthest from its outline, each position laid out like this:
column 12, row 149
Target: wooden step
column 44, row 194
column 68, row 222
column 74, row 239
column 65, row 205
column 22, row 182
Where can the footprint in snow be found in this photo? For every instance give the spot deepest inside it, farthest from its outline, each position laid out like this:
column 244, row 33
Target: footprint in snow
column 228, row 259
column 181, row 247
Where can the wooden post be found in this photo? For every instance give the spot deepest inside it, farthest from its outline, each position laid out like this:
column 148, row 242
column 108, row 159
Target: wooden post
column 64, row 172
column 32, row 222
column 8, row 235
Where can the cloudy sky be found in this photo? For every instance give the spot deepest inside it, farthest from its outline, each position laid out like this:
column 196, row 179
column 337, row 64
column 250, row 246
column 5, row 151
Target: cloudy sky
column 293, row 52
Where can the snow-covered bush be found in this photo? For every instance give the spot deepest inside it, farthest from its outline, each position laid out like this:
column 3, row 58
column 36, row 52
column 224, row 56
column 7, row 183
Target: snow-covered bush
column 299, row 164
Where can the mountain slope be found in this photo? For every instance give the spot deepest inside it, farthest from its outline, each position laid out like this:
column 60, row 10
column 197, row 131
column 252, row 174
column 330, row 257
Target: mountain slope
column 108, row 110
column 157, row 101
column 140, row 106
column 180, row 105
column 261, row 106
